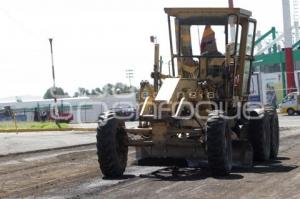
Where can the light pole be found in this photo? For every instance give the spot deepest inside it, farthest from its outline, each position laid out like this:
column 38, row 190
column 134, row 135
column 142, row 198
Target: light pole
column 53, row 71
column 129, row 75
column 54, row 88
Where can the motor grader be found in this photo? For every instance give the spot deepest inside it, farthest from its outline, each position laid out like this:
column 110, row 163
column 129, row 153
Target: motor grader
column 200, row 111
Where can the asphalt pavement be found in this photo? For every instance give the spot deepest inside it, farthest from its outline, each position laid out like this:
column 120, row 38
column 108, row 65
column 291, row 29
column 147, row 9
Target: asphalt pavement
column 74, row 172
column 12, row 143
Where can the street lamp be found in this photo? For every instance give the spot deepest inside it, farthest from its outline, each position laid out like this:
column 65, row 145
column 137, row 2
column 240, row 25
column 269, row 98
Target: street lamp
column 53, row 71
column 56, row 114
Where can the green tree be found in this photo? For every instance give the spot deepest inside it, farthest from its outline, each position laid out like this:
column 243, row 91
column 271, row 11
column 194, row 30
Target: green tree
column 122, row 88
column 93, row 92
column 81, row 91
column 58, row 92
column 108, row 89
column 98, row 90
column 76, row 94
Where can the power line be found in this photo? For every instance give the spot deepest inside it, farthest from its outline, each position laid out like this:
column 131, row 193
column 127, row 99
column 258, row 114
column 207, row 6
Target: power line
column 129, row 75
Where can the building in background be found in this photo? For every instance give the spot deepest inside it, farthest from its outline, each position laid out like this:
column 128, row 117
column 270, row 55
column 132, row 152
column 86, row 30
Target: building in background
column 269, row 76
column 82, row 109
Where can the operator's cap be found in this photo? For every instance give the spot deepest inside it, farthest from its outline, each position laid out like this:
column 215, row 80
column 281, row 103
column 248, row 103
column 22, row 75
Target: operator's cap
column 208, row 41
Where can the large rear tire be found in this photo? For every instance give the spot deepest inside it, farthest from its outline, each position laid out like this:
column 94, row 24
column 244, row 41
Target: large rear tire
column 112, row 147
column 219, row 146
column 274, row 135
column 260, row 137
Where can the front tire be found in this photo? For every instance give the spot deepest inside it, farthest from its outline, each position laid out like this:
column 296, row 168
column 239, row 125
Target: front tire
column 219, row 146
column 112, row 147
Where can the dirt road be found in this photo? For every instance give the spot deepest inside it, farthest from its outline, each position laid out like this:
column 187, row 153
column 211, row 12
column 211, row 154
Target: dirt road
column 276, row 179
column 74, row 173
column 34, row 173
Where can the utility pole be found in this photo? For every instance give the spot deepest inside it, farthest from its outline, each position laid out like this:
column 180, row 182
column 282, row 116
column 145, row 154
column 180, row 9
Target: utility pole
column 129, row 75
column 54, row 88
column 53, row 71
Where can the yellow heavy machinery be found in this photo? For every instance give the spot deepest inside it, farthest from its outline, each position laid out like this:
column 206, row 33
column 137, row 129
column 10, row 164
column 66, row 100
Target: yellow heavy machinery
column 200, row 111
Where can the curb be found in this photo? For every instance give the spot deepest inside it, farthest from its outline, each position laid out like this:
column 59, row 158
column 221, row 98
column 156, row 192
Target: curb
column 43, row 130
column 46, row 150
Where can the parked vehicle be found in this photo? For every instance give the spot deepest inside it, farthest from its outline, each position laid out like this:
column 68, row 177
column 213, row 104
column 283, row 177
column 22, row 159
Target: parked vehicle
column 62, row 117
column 290, row 104
column 126, row 112
column 7, row 114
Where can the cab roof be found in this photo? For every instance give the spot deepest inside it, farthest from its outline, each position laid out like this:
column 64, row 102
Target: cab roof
column 188, row 12
column 205, row 16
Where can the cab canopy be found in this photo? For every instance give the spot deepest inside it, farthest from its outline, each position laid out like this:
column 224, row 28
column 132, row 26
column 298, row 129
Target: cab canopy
column 205, row 42
column 203, row 16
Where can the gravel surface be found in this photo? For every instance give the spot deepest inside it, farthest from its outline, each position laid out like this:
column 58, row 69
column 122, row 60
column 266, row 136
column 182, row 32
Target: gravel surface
column 74, row 173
